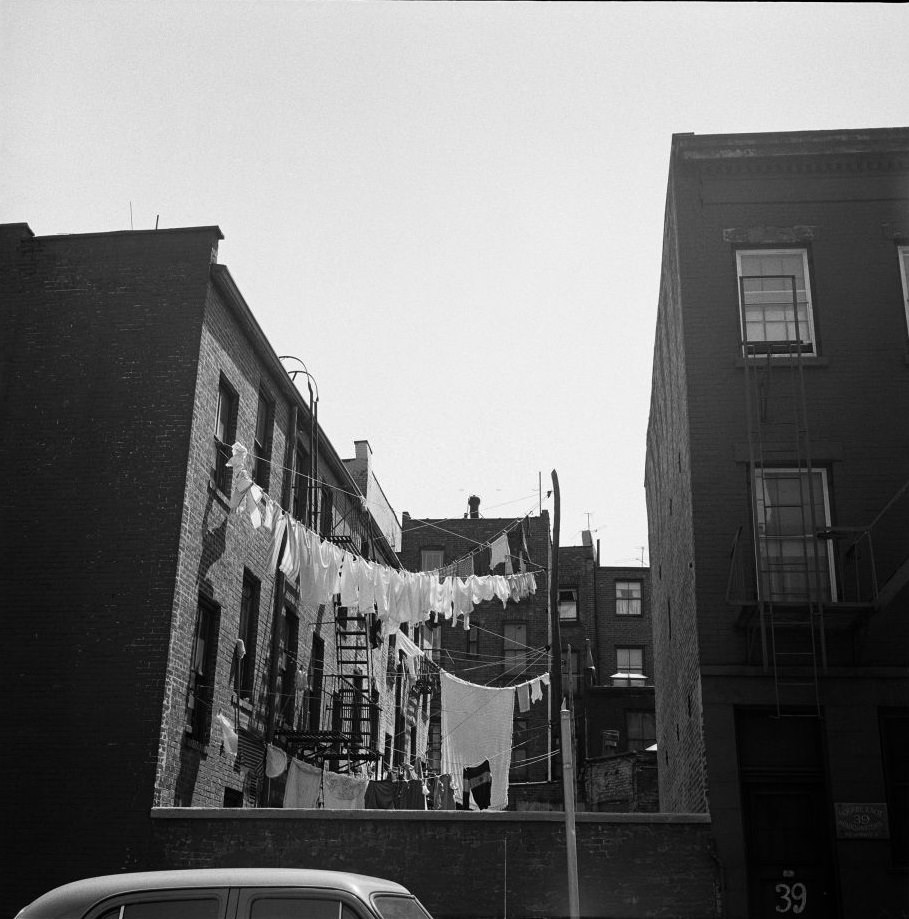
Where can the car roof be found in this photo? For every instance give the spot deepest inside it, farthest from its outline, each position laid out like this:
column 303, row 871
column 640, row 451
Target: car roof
column 74, row 899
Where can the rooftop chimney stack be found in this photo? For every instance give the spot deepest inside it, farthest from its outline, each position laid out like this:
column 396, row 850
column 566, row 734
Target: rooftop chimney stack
column 474, row 502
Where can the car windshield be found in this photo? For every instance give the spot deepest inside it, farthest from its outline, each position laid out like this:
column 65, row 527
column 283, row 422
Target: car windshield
column 390, row 906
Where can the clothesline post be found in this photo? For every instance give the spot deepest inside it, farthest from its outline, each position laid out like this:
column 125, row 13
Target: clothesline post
column 571, row 844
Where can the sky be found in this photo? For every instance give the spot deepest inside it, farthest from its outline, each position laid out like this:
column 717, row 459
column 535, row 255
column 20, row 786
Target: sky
column 452, row 213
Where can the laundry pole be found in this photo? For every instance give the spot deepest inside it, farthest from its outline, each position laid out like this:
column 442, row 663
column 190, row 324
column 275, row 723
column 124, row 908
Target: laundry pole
column 571, row 842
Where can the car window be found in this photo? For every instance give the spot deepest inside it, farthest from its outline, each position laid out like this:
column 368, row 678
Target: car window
column 390, row 906
column 170, row 908
column 288, row 906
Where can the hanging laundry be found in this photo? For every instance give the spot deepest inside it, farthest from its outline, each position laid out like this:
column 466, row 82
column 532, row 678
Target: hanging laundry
column 478, row 785
column 277, row 537
column 350, row 576
column 380, row 795
column 304, row 785
column 411, row 653
column 344, row 792
column 228, row 736
column 476, row 726
column 275, row 761
column 442, row 796
column 536, row 693
column 523, row 693
column 498, row 552
column 250, row 751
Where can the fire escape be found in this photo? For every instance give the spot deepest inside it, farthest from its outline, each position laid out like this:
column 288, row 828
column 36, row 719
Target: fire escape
column 796, row 578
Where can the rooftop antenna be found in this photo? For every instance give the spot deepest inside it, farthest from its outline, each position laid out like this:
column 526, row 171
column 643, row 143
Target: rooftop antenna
column 130, row 215
column 588, row 518
column 157, row 216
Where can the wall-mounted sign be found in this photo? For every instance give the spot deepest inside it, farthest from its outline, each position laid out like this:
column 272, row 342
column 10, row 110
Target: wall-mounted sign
column 861, row 821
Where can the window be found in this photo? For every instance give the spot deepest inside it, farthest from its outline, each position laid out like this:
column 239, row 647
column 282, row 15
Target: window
column 629, row 665
column 640, row 729
column 609, row 742
column 515, row 647
column 432, row 559
column 518, row 760
column 791, row 507
column 568, row 603
column 571, row 671
column 287, row 665
column 434, row 747
column 473, row 641
column 262, row 442
column 225, row 434
column 326, row 514
column 202, row 671
column 316, row 676
column 775, row 300
column 300, row 502
column 628, row 598
column 249, row 623
column 904, row 275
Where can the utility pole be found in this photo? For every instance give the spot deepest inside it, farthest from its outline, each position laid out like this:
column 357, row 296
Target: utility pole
column 571, row 843
column 555, row 680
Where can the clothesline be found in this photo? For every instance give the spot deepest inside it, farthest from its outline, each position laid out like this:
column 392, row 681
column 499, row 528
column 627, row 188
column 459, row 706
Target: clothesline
column 365, row 504
column 324, row 570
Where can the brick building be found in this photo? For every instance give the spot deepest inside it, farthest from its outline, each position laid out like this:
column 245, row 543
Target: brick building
column 144, row 607
column 776, row 481
column 607, row 651
column 503, row 646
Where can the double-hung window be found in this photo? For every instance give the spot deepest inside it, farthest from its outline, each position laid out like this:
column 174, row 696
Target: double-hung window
column 775, row 308
column 568, row 604
column 515, row 647
column 640, row 730
column 262, row 442
column 791, row 509
column 628, row 598
column 432, row 559
column 629, row 663
column 249, row 624
column 225, row 433
column 202, row 671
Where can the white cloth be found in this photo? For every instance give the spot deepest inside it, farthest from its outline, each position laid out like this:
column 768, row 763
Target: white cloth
column 536, row 693
column 477, row 725
column 228, row 736
column 344, row 792
column 304, row 782
column 275, row 761
column 499, row 552
column 411, row 652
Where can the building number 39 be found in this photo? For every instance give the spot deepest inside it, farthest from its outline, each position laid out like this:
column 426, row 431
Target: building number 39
column 792, row 898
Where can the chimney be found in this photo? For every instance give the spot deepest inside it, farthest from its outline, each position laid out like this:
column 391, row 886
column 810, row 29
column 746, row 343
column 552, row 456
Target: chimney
column 474, row 503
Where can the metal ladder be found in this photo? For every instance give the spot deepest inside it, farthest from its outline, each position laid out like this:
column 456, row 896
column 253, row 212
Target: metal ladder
column 792, row 636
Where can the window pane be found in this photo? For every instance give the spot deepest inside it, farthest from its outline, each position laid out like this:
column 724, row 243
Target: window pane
column 286, row 906
column 431, row 559
column 392, row 907
column 207, row 908
column 629, row 660
column 568, row 603
column 775, row 299
column 628, row 598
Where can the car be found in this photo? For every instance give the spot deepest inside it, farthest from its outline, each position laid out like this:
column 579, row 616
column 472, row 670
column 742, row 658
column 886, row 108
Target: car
column 229, row 893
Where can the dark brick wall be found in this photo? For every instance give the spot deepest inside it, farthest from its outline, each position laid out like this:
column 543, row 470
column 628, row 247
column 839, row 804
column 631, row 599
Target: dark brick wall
column 100, row 347
column 849, row 209
column 622, row 784
column 671, row 537
column 475, row 865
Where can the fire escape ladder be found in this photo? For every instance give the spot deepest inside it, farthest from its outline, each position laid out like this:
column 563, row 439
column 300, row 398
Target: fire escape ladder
column 354, row 711
column 790, row 585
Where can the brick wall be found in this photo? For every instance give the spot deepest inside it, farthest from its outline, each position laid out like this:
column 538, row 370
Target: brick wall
column 472, row 865
column 100, row 348
column 671, row 537
column 622, row 784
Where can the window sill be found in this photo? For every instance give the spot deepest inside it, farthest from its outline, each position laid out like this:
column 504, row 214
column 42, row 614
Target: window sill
column 808, row 360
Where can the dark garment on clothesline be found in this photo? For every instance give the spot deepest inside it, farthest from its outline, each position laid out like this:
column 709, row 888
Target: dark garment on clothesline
column 478, row 782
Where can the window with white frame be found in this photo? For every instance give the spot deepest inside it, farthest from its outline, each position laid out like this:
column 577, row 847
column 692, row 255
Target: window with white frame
column 904, row 275
column 791, row 509
column 775, row 309
column 628, row 598
column 640, row 730
column 568, row 603
column 629, row 665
